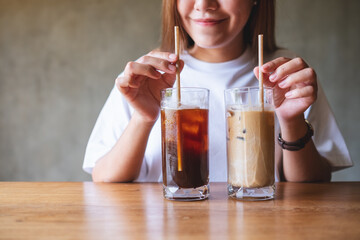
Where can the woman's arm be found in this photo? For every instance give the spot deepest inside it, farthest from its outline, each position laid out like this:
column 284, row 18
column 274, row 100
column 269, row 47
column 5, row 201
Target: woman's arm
column 305, row 165
column 140, row 85
column 123, row 162
column 295, row 89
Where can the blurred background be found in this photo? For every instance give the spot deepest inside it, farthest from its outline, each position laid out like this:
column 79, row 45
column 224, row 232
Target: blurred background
column 59, row 59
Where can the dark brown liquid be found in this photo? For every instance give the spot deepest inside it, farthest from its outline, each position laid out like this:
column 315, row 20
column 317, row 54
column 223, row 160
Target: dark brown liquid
column 193, row 129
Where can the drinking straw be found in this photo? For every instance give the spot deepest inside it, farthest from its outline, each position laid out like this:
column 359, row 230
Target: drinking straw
column 261, row 77
column 177, row 52
column 178, row 121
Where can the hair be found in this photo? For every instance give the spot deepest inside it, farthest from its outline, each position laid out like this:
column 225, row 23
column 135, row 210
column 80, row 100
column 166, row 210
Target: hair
column 261, row 21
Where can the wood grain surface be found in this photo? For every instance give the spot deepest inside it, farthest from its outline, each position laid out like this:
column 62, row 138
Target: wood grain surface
column 86, row 210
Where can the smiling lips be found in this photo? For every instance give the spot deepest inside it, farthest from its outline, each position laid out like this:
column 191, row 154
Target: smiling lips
column 208, row 21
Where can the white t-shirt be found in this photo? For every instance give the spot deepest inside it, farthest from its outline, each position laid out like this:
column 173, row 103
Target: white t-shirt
column 216, row 77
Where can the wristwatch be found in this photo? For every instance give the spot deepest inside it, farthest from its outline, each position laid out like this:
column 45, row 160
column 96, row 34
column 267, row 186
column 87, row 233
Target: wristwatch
column 300, row 143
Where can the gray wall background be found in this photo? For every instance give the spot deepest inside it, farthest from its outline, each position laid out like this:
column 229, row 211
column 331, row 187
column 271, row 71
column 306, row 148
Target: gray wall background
column 59, row 59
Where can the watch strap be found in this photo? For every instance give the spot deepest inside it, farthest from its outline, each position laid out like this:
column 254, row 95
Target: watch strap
column 298, row 144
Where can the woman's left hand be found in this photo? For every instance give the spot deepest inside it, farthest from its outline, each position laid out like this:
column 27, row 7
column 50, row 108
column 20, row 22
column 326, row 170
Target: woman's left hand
column 294, row 83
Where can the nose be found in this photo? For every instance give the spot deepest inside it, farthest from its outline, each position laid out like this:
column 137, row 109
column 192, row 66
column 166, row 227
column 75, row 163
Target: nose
column 206, row 5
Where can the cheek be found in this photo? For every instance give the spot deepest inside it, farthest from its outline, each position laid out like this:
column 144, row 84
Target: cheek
column 184, row 7
column 240, row 8
column 241, row 15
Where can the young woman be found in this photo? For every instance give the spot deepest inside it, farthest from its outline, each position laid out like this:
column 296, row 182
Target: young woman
column 219, row 39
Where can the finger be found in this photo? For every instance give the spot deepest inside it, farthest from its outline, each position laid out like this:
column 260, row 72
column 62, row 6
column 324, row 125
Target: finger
column 266, row 80
column 122, row 85
column 118, row 82
column 272, row 65
column 158, row 63
column 134, row 74
column 171, row 57
column 181, row 65
column 256, row 72
column 134, row 69
column 308, row 92
column 305, row 76
column 287, row 68
column 170, row 78
column 124, row 89
column 126, row 83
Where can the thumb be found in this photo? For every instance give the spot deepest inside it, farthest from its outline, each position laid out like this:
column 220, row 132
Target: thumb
column 267, row 82
column 170, row 77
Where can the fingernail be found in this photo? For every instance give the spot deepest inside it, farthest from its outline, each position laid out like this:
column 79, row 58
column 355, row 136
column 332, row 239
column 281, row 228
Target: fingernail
column 172, row 56
column 288, row 94
column 172, row 67
column 282, row 84
column 272, row 77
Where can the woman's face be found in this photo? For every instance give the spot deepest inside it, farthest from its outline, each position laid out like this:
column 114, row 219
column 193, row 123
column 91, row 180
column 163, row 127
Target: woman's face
column 214, row 23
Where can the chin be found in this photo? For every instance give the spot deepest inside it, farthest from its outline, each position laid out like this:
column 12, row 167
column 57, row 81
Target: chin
column 216, row 43
column 211, row 45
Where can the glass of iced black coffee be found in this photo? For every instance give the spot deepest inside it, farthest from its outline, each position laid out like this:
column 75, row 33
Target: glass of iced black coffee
column 184, row 138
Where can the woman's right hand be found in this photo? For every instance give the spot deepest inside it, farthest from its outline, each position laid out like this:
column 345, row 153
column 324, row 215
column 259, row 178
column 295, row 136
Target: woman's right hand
column 142, row 82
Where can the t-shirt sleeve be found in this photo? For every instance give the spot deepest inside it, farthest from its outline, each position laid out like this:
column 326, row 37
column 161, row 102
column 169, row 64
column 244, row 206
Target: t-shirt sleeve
column 109, row 126
column 327, row 136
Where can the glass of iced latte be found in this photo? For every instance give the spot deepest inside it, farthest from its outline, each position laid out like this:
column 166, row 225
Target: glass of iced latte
column 184, row 139
column 250, row 143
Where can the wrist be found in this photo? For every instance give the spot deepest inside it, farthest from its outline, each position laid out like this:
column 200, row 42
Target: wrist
column 298, row 144
column 141, row 121
column 293, row 129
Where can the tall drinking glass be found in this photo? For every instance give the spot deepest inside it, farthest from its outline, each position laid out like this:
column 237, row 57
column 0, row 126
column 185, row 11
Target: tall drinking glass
column 250, row 143
column 185, row 144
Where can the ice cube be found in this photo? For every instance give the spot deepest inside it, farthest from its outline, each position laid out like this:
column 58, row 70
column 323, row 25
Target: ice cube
column 229, row 113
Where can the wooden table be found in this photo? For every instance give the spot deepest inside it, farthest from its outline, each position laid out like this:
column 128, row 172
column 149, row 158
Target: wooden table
column 85, row 210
